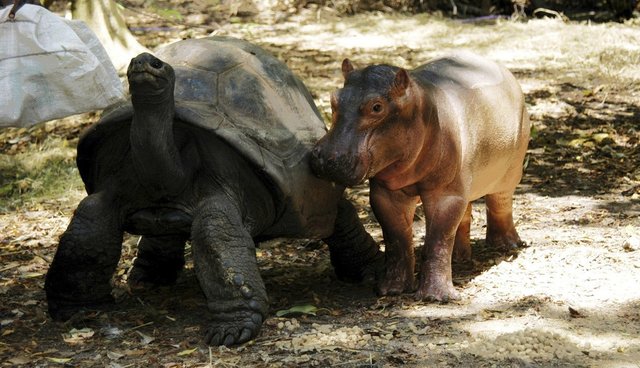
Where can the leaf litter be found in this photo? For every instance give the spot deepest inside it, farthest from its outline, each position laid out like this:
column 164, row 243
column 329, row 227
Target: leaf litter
column 569, row 299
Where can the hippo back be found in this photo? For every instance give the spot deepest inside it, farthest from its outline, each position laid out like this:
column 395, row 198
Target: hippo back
column 481, row 101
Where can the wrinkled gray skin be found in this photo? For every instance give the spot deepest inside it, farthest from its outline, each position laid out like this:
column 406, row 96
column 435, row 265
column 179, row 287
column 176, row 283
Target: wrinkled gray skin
column 446, row 133
column 155, row 170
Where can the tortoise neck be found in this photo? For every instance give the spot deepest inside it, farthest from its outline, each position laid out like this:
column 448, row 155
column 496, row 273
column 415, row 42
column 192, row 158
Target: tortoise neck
column 154, row 152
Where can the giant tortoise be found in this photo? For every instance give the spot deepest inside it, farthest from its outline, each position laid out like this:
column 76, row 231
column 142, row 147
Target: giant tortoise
column 213, row 147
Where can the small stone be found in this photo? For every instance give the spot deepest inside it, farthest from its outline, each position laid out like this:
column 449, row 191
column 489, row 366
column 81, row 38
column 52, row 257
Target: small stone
column 632, row 244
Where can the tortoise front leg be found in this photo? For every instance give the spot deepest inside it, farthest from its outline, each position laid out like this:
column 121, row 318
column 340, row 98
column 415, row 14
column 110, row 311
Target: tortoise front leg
column 354, row 253
column 225, row 264
column 86, row 259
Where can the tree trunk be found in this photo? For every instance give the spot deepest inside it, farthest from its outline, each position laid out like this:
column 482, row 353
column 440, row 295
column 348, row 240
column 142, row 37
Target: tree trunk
column 104, row 18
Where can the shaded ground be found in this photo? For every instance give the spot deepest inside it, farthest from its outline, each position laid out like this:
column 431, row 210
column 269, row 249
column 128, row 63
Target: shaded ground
column 572, row 298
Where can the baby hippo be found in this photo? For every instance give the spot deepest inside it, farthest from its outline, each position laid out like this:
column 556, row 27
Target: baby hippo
column 446, row 133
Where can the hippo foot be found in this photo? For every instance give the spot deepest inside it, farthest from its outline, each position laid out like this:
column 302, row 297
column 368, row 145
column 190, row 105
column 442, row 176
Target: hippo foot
column 396, row 283
column 61, row 310
column 461, row 254
column 237, row 328
column 440, row 293
column 506, row 243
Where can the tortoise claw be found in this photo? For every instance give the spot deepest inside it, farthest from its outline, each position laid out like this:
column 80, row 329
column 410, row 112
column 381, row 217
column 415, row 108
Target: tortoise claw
column 240, row 328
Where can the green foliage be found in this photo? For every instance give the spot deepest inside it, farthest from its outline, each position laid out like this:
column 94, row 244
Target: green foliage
column 162, row 9
column 42, row 174
column 168, row 13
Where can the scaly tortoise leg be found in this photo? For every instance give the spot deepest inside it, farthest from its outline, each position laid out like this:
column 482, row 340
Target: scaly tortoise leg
column 354, row 253
column 226, row 266
column 88, row 254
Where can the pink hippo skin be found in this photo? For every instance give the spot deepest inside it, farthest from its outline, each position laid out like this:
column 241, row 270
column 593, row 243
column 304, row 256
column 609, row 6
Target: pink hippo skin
column 446, row 133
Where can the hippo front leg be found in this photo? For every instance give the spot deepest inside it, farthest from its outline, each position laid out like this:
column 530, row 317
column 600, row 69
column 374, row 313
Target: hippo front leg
column 443, row 215
column 86, row 259
column 226, row 266
column 394, row 211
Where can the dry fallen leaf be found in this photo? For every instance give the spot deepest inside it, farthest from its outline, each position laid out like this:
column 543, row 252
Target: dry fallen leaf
column 77, row 336
column 187, row 352
column 146, row 339
column 112, row 355
column 59, row 360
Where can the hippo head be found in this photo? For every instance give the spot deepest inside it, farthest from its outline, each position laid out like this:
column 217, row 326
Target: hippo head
column 371, row 133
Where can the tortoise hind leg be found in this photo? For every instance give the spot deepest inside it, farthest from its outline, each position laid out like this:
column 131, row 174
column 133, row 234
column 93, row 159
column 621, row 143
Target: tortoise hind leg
column 226, row 266
column 354, row 253
column 159, row 260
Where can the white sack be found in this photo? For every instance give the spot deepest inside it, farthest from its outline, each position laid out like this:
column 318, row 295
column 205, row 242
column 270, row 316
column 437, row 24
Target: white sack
column 51, row 67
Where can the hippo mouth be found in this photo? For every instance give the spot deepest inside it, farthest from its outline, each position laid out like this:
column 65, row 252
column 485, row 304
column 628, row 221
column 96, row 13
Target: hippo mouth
column 343, row 166
column 344, row 171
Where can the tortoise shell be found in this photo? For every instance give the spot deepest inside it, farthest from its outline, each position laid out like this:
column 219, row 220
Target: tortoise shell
column 245, row 96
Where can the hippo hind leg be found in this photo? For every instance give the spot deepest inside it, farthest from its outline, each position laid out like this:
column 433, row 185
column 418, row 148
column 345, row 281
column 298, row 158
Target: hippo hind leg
column 462, row 245
column 501, row 231
column 159, row 260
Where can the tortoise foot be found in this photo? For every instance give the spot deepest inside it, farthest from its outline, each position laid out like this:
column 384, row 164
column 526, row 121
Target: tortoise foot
column 143, row 277
column 236, row 328
column 62, row 310
column 372, row 269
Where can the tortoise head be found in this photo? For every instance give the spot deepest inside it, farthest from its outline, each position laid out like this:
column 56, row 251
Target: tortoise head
column 150, row 79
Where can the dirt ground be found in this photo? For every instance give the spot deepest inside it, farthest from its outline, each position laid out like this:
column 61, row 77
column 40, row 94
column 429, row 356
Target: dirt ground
column 569, row 299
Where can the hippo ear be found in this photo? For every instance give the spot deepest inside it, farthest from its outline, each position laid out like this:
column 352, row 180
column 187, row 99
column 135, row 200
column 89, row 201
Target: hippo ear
column 334, row 100
column 400, row 83
column 347, row 68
